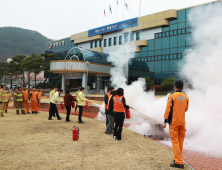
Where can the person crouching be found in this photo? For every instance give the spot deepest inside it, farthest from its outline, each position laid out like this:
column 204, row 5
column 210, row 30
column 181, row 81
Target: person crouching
column 119, row 106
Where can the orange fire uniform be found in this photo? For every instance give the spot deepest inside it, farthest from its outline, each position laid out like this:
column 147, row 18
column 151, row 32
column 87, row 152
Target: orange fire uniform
column 177, row 105
column 106, row 98
column 8, row 96
column 118, row 104
column 34, row 99
column 26, row 98
column 39, row 100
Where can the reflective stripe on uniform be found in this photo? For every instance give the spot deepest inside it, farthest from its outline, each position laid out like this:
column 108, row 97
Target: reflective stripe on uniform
column 1, row 111
column 17, row 109
column 22, row 108
column 15, row 94
column 19, row 100
column 4, row 94
column 4, row 100
column 19, row 94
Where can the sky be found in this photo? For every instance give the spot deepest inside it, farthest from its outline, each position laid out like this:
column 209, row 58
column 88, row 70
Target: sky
column 57, row 19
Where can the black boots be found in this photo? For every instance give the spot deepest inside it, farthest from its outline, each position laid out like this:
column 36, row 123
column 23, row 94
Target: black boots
column 177, row 166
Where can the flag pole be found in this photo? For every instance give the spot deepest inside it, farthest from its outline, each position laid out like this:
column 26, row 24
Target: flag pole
column 140, row 8
column 123, row 9
column 131, row 8
column 103, row 15
column 116, row 11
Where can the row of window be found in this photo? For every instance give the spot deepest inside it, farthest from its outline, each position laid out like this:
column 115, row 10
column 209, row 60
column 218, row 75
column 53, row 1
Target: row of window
column 95, row 44
column 172, row 33
column 158, row 58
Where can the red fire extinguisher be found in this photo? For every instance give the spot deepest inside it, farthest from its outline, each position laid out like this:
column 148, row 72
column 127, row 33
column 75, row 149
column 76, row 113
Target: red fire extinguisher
column 73, row 104
column 75, row 133
column 62, row 106
column 87, row 105
column 127, row 113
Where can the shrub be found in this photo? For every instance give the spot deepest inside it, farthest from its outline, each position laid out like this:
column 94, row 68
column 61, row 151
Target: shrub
column 168, row 83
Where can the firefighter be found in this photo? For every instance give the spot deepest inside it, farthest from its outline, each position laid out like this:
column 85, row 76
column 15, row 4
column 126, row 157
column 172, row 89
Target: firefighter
column 8, row 96
column 39, row 99
column 106, row 98
column 3, row 99
column 19, row 98
column 26, row 98
column 33, row 96
column 177, row 105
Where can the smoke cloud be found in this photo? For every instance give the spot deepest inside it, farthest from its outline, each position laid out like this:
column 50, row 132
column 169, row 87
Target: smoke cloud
column 201, row 68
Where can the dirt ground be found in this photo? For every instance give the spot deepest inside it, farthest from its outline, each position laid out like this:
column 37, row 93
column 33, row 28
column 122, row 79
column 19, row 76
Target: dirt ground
column 33, row 142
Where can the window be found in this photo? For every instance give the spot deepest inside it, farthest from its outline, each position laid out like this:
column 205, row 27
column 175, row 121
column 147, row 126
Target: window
column 115, row 41
column 150, row 44
column 181, row 49
column 137, row 55
column 100, row 43
column 166, row 65
column 132, row 37
column 173, row 65
column 151, row 66
column 173, row 41
column 166, row 51
column 181, row 16
column 143, row 48
column 183, row 31
column 158, row 43
column 91, row 45
column 110, row 41
column 95, row 44
column 167, row 34
column 144, row 54
column 173, row 50
column 171, row 33
column 171, row 56
column 174, row 56
column 150, row 53
column 179, row 55
column 160, row 35
column 163, row 57
column 164, row 34
column 181, row 25
column 126, row 38
column 165, row 42
column 181, row 40
column 173, row 21
column 187, row 30
column 173, row 27
column 120, row 40
column 179, row 32
column 158, row 66
column 156, row 35
column 165, row 29
column 175, row 32
column 105, row 42
column 167, row 57
column 158, row 52
column 138, row 36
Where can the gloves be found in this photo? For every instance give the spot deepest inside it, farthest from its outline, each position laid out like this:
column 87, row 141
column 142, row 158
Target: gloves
column 0, row 102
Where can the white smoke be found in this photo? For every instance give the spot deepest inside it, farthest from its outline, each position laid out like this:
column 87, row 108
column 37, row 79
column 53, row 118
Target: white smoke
column 202, row 69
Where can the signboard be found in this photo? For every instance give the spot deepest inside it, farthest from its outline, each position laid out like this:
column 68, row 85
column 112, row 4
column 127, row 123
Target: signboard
column 59, row 43
column 74, row 76
column 113, row 27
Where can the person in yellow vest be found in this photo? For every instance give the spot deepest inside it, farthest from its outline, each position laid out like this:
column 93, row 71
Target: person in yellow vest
column 39, row 98
column 3, row 99
column 50, row 97
column 26, row 98
column 119, row 105
column 106, row 98
column 33, row 95
column 76, row 99
column 8, row 96
column 177, row 105
column 19, row 98
column 81, row 103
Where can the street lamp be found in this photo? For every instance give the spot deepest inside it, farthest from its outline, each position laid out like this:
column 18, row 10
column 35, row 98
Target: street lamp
column 87, row 65
column 10, row 79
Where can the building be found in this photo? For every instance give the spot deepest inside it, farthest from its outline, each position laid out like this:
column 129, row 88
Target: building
column 160, row 39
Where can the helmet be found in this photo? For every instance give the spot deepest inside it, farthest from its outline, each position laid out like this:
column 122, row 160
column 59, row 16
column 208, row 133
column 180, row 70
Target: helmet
column 19, row 86
column 3, row 84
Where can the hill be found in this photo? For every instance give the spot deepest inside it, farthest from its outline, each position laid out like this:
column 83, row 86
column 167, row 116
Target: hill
column 18, row 41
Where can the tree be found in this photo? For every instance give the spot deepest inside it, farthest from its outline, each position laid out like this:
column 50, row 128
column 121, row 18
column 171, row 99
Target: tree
column 149, row 82
column 168, row 83
column 16, row 66
column 34, row 64
column 46, row 67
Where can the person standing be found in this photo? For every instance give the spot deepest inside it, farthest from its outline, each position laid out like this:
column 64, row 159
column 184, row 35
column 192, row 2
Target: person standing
column 106, row 98
column 76, row 99
column 68, row 99
column 177, row 105
column 109, row 114
column 53, row 102
column 3, row 99
column 119, row 105
column 81, row 103
column 26, row 98
column 8, row 96
column 33, row 95
column 39, row 99
column 19, row 98
column 50, row 97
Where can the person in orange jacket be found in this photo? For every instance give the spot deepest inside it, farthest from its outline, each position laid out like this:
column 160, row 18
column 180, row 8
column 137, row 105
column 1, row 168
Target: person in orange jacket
column 106, row 98
column 33, row 95
column 39, row 99
column 26, row 98
column 8, row 96
column 177, row 105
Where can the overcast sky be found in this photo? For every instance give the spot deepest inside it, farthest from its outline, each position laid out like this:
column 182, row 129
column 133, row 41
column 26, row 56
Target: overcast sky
column 57, row 19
